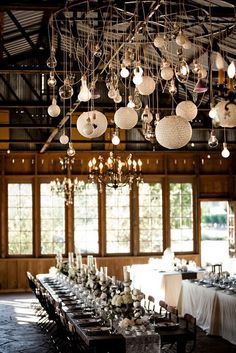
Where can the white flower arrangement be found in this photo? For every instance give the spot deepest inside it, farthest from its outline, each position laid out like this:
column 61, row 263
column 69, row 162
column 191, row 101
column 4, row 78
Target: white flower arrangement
column 125, row 323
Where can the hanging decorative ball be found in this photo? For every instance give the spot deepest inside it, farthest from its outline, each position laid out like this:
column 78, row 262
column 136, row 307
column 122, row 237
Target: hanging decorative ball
column 126, row 118
column 173, row 132
column 147, row 86
column 92, row 120
column 51, row 62
column 167, row 73
column 159, row 41
column 187, row 110
column 226, row 112
column 54, row 110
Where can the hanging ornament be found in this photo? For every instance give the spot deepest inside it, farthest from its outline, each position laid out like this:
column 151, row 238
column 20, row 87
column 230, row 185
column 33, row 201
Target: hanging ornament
column 84, row 93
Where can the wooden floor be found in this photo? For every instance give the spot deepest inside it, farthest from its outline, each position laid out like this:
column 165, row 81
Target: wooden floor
column 20, row 331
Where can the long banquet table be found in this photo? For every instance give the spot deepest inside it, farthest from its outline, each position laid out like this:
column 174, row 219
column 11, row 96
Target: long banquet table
column 214, row 309
column 107, row 342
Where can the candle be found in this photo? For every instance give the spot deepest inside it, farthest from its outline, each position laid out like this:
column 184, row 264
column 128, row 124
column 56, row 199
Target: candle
column 78, row 261
column 126, row 274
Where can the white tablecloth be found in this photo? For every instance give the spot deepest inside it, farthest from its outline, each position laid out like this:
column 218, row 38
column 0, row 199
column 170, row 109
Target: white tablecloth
column 161, row 285
column 215, row 311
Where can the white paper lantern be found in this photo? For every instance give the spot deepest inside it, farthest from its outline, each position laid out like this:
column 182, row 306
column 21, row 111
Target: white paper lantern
column 173, row 132
column 187, row 110
column 94, row 119
column 126, row 118
column 147, row 86
column 226, row 113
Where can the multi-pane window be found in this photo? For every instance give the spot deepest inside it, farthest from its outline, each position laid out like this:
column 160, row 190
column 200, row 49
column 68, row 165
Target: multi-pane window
column 181, row 217
column 20, row 222
column 117, row 220
column 86, row 220
column 150, row 218
column 52, row 213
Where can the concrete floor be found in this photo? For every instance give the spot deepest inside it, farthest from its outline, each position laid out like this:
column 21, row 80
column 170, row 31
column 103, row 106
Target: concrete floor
column 21, row 333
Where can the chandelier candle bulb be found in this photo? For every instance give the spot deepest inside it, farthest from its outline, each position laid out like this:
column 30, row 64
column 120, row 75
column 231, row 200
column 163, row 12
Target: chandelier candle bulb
column 231, row 70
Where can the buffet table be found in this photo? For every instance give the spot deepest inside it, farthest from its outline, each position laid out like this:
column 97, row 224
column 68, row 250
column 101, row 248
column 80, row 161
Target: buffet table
column 214, row 309
column 159, row 284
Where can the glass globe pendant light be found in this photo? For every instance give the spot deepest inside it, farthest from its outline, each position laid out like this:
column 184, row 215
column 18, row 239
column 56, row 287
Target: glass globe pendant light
column 66, row 91
column 225, row 152
column 124, row 72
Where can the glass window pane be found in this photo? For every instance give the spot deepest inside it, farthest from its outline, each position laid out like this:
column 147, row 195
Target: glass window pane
column 52, row 217
column 117, row 220
column 150, row 217
column 86, row 234
column 20, row 222
column 181, row 217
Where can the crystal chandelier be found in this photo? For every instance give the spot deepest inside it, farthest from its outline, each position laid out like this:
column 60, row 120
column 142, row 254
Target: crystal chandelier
column 68, row 186
column 115, row 172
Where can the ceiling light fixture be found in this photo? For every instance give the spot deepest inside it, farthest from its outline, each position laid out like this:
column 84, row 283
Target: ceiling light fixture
column 115, row 172
column 67, row 186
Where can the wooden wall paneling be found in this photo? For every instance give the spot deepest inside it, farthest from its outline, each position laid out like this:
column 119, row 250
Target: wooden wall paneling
column 213, row 165
column 214, row 186
column 180, row 164
column 20, row 164
column 4, row 117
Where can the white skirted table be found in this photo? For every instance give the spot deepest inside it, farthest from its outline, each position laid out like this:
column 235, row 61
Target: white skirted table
column 215, row 310
column 159, row 284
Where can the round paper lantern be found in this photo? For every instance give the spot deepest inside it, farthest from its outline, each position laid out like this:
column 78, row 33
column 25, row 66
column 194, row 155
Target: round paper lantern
column 92, row 124
column 226, row 113
column 126, row 118
column 173, row 132
column 147, row 86
column 187, row 110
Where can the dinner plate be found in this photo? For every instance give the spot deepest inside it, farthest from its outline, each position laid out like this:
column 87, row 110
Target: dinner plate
column 166, row 326
column 96, row 331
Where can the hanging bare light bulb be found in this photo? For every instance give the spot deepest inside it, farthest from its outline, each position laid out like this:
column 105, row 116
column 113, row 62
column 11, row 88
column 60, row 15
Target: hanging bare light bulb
column 71, row 151
column 212, row 141
column 138, row 75
column 225, row 152
column 64, row 139
column 131, row 103
column 84, row 93
column 52, row 81
column 167, row 72
column 52, row 61
column 124, row 72
column 115, row 137
column 54, row 110
column 66, row 91
column 172, row 87
column 181, row 68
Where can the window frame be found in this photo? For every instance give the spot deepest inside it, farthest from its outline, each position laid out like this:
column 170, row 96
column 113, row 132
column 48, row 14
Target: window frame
column 195, row 211
column 19, row 180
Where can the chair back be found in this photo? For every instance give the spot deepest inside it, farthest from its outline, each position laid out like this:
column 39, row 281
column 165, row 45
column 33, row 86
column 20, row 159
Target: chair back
column 173, row 313
column 163, row 307
column 191, row 329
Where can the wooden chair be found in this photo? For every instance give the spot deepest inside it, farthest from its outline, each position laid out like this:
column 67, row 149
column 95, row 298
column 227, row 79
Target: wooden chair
column 191, row 329
column 151, row 304
column 163, row 308
column 172, row 313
